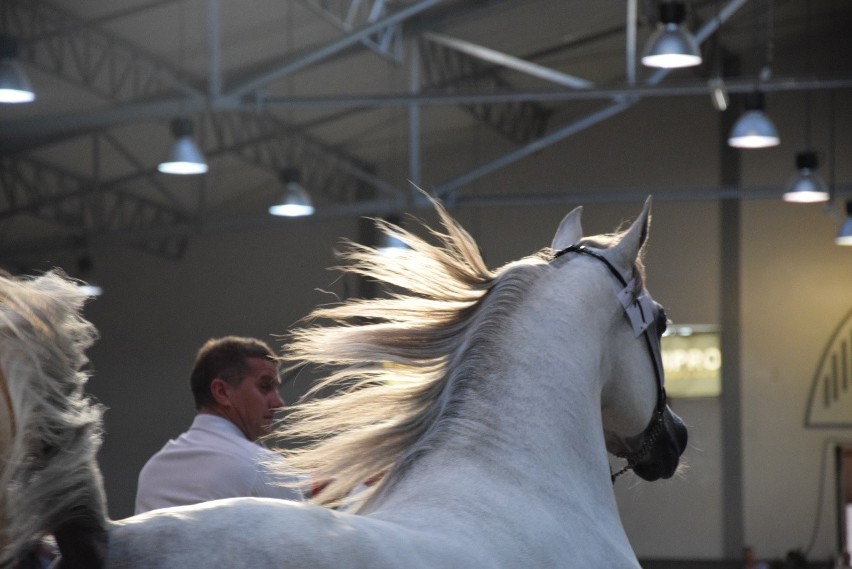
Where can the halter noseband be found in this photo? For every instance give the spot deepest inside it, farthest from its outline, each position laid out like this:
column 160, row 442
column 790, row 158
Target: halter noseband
column 640, row 312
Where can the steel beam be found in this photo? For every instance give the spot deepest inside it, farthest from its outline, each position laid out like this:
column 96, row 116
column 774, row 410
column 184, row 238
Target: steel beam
column 81, row 207
column 444, row 65
column 509, row 62
column 349, row 15
column 268, row 142
column 104, row 206
column 449, row 187
column 476, row 96
column 277, row 72
column 59, row 42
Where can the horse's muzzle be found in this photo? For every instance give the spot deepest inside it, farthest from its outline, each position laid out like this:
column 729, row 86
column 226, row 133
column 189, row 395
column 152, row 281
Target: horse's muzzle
column 663, row 454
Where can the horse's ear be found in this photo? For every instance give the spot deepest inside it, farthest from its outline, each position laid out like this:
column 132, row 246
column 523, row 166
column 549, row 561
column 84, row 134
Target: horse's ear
column 570, row 231
column 624, row 254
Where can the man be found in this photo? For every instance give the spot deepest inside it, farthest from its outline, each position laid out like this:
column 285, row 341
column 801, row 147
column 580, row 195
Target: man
column 235, row 386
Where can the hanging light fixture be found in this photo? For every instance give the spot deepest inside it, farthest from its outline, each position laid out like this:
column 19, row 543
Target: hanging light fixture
column 389, row 244
column 87, row 285
column 844, row 236
column 807, row 186
column 14, row 85
column 185, row 157
column 296, row 201
column 754, row 129
column 671, row 45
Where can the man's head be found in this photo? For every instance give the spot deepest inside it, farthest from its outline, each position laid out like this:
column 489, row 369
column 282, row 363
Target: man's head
column 237, row 378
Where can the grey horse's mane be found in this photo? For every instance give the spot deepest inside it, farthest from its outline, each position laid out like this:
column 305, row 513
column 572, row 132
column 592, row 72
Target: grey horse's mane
column 55, row 428
column 398, row 366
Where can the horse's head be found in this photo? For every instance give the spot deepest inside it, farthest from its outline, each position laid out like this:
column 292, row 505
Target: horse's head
column 639, row 426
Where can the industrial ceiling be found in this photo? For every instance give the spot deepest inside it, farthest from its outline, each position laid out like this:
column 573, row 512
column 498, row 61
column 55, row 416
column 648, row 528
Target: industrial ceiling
column 339, row 90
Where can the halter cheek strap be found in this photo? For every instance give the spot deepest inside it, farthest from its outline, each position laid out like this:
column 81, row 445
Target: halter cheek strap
column 638, row 308
column 640, row 312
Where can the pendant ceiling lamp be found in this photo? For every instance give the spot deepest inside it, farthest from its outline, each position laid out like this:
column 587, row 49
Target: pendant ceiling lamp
column 671, row 45
column 295, row 202
column 185, row 157
column 87, row 285
column 807, row 186
column 844, row 237
column 389, row 244
column 14, row 85
column 392, row 246
column 754, row 129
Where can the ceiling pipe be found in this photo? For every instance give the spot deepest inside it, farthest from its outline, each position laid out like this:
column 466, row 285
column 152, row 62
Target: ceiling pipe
column 324, row 52
column 380, row 207
column 452, row 185
column 73, row 124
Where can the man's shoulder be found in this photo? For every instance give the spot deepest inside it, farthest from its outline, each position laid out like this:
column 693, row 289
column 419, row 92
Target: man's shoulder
column 201, row 462
column 210, row 450
column 214, row 433
column 200, row 449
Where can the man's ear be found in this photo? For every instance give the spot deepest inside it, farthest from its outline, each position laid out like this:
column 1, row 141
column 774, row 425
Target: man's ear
column 220, row 390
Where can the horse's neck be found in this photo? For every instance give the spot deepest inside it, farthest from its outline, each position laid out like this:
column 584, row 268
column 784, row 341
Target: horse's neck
column 541, row 397
column 543, row 423
column 531, row 440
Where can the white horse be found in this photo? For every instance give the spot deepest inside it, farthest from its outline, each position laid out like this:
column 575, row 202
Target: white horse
column 483, row 401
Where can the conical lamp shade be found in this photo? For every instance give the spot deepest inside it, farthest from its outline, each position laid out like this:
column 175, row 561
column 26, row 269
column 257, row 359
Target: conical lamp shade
column 14, row 85
column 671, row 46
column 754, row 129
column 295, row 202
column 389, row 242
column 806, row 186
column 391, row 245
column 185, row 157
column 91, row 289
column 844, row 237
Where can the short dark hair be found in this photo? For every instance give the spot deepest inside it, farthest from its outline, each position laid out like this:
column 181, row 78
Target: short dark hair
column 225, row 358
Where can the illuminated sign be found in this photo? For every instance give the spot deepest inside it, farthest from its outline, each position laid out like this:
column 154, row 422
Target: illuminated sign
column 692, row 361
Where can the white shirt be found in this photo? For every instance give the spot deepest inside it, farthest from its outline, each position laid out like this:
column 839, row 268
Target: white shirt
column 211, row 460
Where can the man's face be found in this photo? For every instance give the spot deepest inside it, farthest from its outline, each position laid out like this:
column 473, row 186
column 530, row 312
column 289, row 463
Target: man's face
column 254, row 401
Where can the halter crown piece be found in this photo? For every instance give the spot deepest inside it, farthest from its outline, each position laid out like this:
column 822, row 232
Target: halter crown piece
column 640, row 311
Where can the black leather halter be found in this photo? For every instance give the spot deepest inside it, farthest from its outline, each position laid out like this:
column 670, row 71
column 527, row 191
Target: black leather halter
column 646, row 317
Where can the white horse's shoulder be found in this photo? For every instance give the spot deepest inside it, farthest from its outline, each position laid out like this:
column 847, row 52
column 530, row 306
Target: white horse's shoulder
column 246, row 533
column 234, row 532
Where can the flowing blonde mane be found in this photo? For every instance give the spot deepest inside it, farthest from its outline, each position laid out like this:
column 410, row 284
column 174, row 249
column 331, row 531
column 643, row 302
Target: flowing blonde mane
column 397, row 365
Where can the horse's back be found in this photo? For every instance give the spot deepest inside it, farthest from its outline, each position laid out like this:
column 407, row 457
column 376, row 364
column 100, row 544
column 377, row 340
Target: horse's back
column 247, row 533
column 236, row 533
